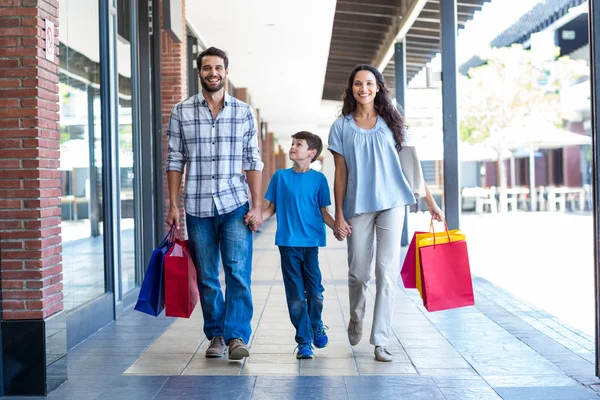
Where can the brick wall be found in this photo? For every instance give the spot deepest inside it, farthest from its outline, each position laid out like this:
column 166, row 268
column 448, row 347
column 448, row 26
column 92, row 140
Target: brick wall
column 30, row 257
column 173, row 75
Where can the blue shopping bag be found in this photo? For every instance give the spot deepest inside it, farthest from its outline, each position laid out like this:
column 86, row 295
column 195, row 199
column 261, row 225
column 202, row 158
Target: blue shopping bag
column 152, row 294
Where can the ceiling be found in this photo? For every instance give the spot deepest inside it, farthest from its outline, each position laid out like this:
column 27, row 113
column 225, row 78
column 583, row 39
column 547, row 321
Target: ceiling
column 364, row 31
column 277, row 49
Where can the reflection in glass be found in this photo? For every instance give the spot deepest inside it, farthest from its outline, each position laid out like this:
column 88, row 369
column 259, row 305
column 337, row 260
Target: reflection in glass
column 126, row 171
column 80, row 154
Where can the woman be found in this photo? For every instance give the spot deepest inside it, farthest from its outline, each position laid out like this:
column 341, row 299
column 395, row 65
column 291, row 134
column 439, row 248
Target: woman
column 371, row 190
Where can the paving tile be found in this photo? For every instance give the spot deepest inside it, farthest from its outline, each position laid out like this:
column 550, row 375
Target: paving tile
column 459, row 382
column 304, row 393
column 446, row 372
column 266, row 369
column 546, row 393
column 529, row 380
column 373, row 391
column 301, row 381
column 129, row 393
column 473, row 393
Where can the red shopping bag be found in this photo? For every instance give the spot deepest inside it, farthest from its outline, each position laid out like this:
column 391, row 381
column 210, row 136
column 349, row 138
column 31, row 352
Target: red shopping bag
column 181, row 287
column 446, row 275
column 409, row 266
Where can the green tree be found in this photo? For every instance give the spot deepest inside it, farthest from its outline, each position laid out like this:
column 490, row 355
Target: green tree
column 511, row 86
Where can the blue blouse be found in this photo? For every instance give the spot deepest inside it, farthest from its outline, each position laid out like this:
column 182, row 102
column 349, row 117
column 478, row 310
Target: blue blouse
column 375, row 178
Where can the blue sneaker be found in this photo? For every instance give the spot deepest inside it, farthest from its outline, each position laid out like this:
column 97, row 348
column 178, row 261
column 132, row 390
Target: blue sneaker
column 320, row 337
column 304, row 351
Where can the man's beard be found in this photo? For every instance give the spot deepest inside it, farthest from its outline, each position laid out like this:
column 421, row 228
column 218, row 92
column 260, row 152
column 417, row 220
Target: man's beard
column 204, row 84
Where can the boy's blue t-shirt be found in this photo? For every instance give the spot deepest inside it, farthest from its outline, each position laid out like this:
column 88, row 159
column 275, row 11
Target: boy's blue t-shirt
column 298, row 199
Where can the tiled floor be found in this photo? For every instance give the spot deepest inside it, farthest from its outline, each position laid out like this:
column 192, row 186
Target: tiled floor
column 499, row 349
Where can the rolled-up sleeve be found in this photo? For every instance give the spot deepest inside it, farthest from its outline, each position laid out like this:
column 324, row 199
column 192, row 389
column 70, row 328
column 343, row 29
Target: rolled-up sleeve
column 176, row 159
column 334, row 143
column 251, row 154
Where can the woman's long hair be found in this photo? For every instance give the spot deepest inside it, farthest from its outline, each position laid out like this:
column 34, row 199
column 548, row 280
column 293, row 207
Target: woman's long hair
column 383, row 103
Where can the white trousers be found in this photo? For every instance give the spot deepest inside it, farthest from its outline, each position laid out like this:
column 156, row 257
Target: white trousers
column 386, row 225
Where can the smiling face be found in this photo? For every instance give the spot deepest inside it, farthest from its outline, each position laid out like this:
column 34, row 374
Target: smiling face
column 364, row 87
column 299, row 151
column 213, row 73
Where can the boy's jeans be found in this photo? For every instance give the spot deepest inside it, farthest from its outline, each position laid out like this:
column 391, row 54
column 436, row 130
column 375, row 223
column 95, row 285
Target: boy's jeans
column 229, row 317
column 303, row 289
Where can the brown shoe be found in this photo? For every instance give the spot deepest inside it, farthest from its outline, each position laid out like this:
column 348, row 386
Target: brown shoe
column 216, row 348
column 238, row 349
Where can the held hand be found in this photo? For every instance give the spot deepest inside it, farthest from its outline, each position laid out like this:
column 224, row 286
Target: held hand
column 173, row 216
column 254, row 218
column 436, row 213
column 341, row 229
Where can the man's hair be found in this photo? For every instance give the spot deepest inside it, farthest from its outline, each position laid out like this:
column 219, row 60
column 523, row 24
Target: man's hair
column 212, row 51
column 313, row 141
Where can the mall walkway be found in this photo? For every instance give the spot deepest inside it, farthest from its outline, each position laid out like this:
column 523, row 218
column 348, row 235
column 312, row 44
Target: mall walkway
column 498, row 349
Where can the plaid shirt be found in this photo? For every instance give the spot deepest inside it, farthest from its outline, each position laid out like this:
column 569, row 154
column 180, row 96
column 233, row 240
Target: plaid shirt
column 214, row 150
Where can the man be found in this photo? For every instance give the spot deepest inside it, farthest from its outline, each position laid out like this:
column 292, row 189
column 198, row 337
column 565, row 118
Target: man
column 214, row 134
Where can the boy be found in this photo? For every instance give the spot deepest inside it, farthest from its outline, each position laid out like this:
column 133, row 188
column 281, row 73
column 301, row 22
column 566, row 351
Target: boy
column 300, row 196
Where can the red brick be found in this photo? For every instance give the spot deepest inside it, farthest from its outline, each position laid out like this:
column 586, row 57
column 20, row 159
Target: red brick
column 9, row 103
column 19, row 112
column 9, row 42
column 10, row 143
column 43, row 223
column 20, row 315
column 19, row 133
column 10, row 163
column 43, row 183
column 13, row 305
column 37, row 244
column 34, row 41
column 12, row 264
column 53, row 309
column 10, row 184
column 11, row 245
column 44, row 202
column 10, row 203
column 21, row 294
column 10, row 22
column 9, row 83
column 41, row 164
column 19, row 52
column 32, row 234
column 52, row 106
column 13, row 284
column 20, row 11
column 20, row 214
column 30, row 173
column 8, row 123
column 5, row 225
column 32, row 273
column 18, row 93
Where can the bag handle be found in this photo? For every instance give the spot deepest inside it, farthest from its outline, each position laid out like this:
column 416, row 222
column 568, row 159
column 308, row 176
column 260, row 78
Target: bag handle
column 169, row 237
column 431, row 227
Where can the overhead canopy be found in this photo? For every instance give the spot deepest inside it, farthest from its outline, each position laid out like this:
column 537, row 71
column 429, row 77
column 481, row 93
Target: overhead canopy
column 364, row 31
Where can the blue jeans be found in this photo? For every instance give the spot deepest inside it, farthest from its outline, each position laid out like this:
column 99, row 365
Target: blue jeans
column 210, row 239
column 303, row 289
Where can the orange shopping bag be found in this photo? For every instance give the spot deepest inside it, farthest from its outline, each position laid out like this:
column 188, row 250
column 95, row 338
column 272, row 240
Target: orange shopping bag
column 427, row 239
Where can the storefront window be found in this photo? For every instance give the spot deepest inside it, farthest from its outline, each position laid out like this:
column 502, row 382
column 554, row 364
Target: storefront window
column 80, row 153
column 126, row 148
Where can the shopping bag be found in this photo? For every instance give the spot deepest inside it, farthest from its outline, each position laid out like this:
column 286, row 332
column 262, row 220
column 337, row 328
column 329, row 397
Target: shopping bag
column 426, row 239
column 446, row 273
column 151, row 298
column 181, row 287
column 408, row 273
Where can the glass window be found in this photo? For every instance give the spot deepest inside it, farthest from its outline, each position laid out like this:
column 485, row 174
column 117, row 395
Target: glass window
column 126, row 147
column 80, row 153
